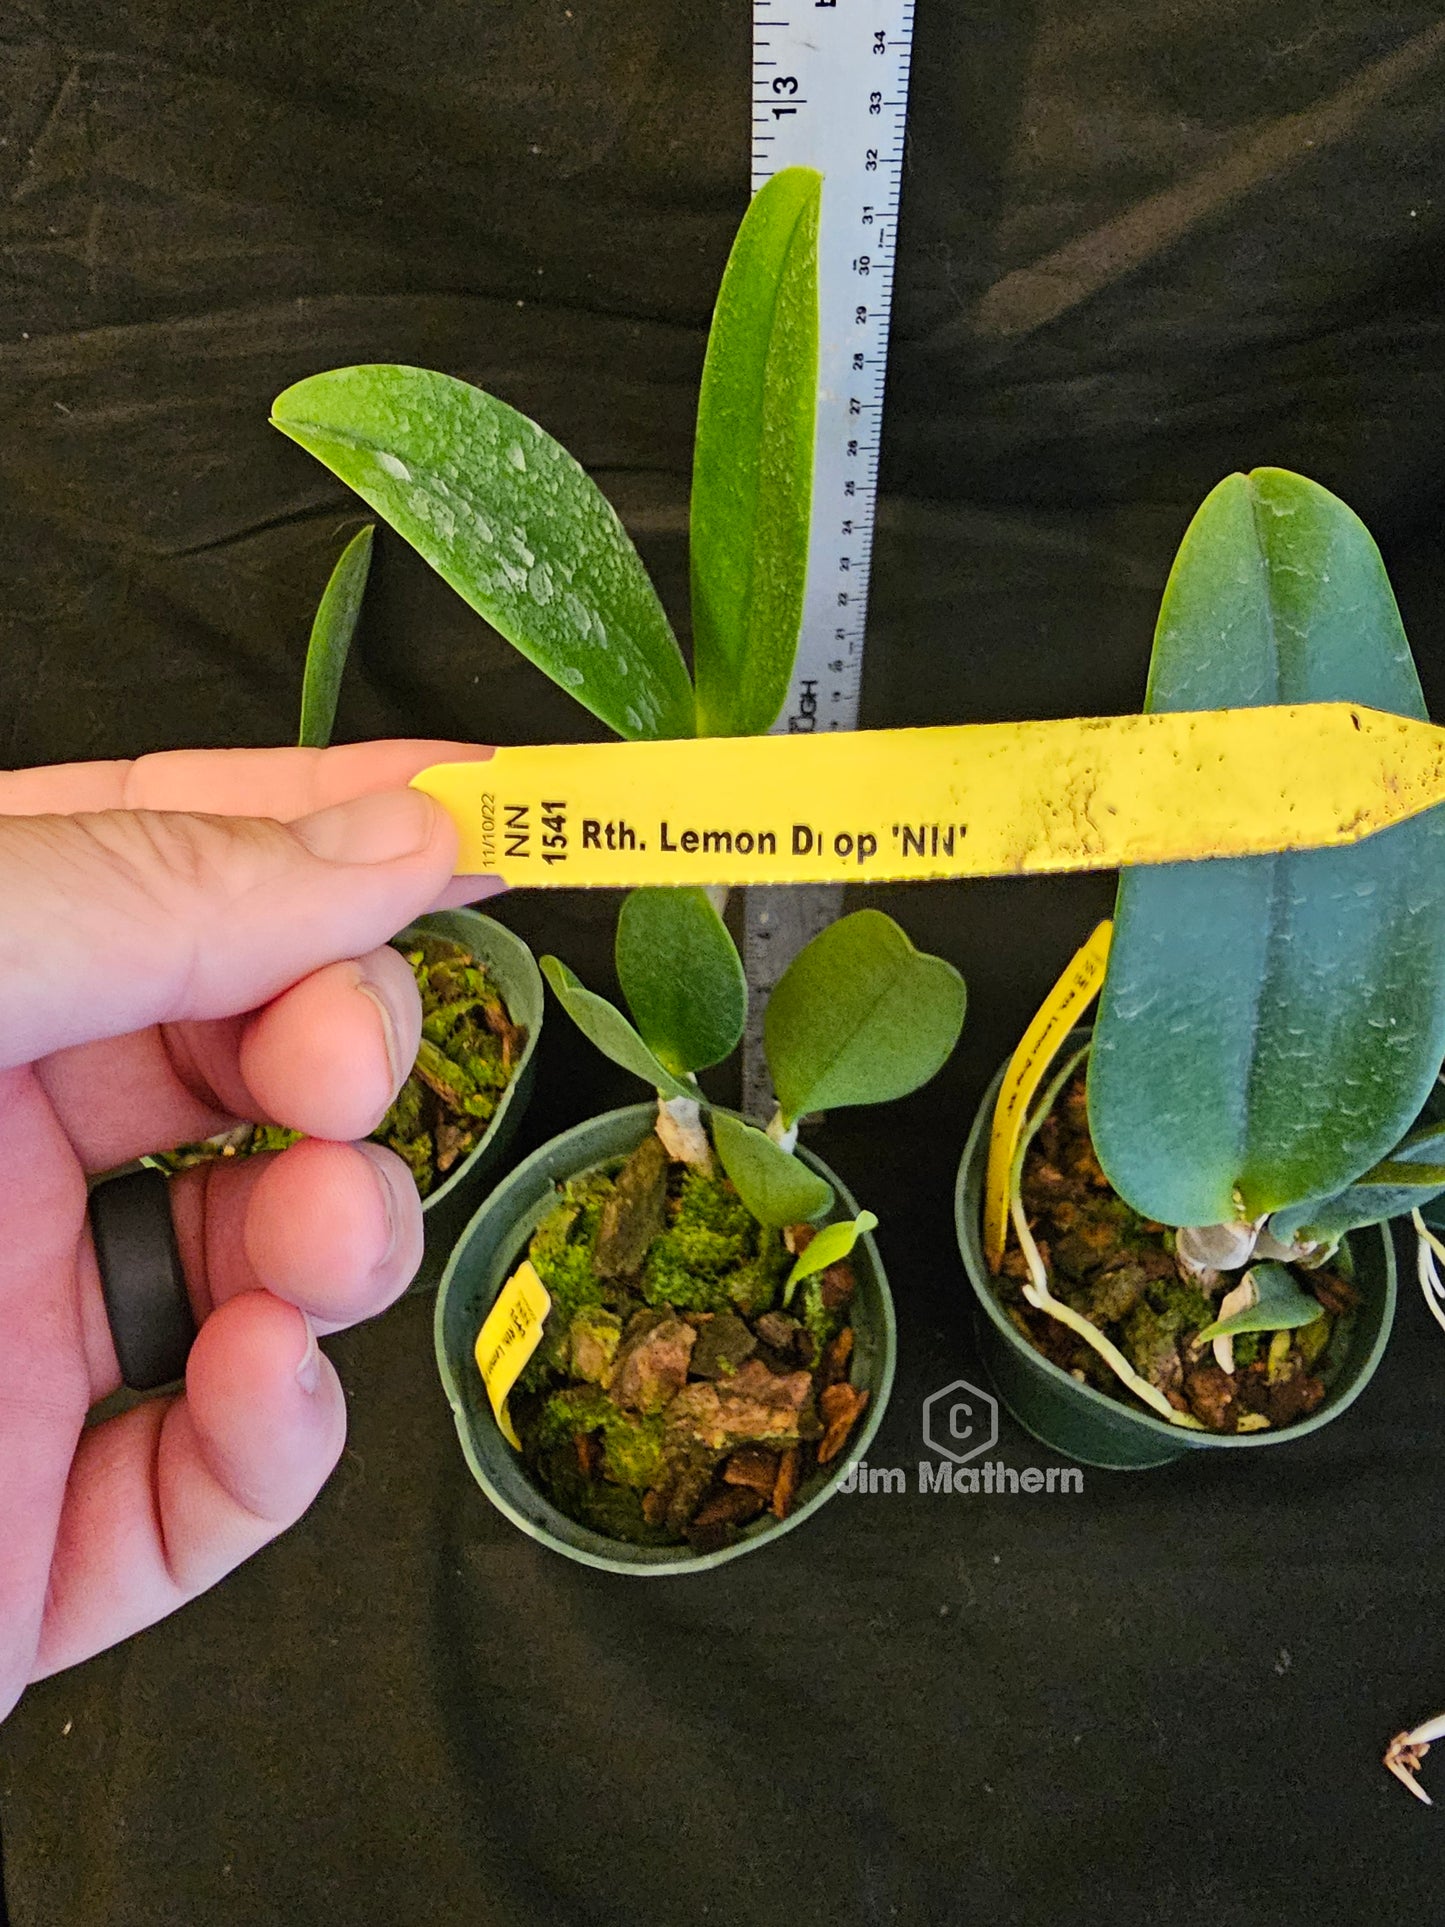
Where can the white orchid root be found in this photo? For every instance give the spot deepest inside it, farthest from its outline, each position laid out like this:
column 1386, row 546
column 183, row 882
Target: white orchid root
column 1406, row 1751
column 1241, row 1298
column 1036, row 1292
column 1427, row 1249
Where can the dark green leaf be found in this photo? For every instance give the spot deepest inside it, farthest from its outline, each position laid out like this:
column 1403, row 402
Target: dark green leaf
column 604, row 1025
column 330, row 643
column 860, row 1017
column 1411, row 1176
column 773, row 1184
column 1271, row 1025
column 752, row 479
column 507, row 517
column 1279, row 1305
column 682, row 977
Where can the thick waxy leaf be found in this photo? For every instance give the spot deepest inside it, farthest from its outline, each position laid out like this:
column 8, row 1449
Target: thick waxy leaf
column 1270, row 1025
column 682, row 977
column 1279, row 1305
column 859, row 1017
column 752, row 479
column 774, row 1186
column 330, row 643
column 512, row 522
column 604, row 1025
column 1410, row 1177
column 832, row 1243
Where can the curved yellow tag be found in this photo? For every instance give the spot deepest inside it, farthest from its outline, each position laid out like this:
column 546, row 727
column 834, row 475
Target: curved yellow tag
column 975, row 799
column 1060, row 1011
column 511, row 1332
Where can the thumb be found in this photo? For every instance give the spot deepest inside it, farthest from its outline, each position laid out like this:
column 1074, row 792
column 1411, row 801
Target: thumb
column 122, row 919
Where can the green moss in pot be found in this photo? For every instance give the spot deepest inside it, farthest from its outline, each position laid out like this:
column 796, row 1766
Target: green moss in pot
column 1067, row 1395
column 720, row 1338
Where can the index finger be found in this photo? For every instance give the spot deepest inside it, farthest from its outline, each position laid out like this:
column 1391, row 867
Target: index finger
column 280, row 783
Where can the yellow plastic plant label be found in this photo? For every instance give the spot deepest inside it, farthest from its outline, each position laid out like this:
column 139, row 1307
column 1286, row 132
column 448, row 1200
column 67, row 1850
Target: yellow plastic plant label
column 511, row 1332
column 979, row 799
column 1057, row 1015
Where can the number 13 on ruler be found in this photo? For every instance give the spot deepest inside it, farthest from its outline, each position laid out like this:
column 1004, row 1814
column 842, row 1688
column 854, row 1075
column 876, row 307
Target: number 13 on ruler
column 830, row 91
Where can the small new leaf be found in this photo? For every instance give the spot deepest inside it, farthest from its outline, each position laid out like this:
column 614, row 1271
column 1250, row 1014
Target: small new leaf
column 604, row 1025
column 331, row 633
column 682, row 977
column 752, row 478
column 505, row 515
column 774, row 1185
column 832, row 1243
column 859, row 1017
column 1279, row 1305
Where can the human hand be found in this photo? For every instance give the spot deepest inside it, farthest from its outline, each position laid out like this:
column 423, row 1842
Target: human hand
column 163, row 975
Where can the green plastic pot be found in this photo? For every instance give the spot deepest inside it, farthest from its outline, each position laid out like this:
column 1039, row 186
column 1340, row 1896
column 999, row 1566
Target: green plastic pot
column 494, row 1245
column 1088, row 1425
column 446, row 1211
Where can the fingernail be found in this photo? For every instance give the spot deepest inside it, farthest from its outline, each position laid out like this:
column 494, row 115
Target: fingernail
column 370, row 829
column 391, row 1035
column 308, row 1372
column 385, row 1164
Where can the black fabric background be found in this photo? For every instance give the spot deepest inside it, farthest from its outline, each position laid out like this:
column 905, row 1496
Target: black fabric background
column 1142, row 244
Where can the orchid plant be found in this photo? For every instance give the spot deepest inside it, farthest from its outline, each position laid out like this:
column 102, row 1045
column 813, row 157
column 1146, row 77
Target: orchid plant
column 1263, row 1072
column 506, row 516
column 516, row 526
column 858, row 1017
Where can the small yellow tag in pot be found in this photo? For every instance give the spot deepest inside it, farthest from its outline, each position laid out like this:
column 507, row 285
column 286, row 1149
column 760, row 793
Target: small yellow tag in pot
column 511, row 1332
column 1057, row 1016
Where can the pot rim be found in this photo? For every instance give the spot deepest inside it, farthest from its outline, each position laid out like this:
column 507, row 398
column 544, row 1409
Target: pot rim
column 526, row 964
column 966, row 1205
column 682, row 1561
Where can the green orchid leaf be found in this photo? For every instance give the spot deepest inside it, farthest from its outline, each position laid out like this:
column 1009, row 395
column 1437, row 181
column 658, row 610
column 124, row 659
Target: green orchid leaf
column 832, row 1243
column 752, row 478
column 1401, row 1171
column 505, row 515
column 604, row 1025
column 330, row 644
column 773, row 1184
column 1410, row 1177
column 1271, row 1025
column 682, row 977
column 859, row 1017
column 1279, row 1306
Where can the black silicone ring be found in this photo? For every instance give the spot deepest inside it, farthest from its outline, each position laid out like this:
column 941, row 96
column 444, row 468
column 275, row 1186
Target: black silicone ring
column 145, row 1292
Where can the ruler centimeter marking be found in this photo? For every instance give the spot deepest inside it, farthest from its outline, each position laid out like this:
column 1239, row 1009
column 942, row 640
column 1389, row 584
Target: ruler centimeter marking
column 830, row 91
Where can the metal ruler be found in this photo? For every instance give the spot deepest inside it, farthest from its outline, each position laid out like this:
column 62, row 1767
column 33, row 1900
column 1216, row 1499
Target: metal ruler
column 830, row 91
